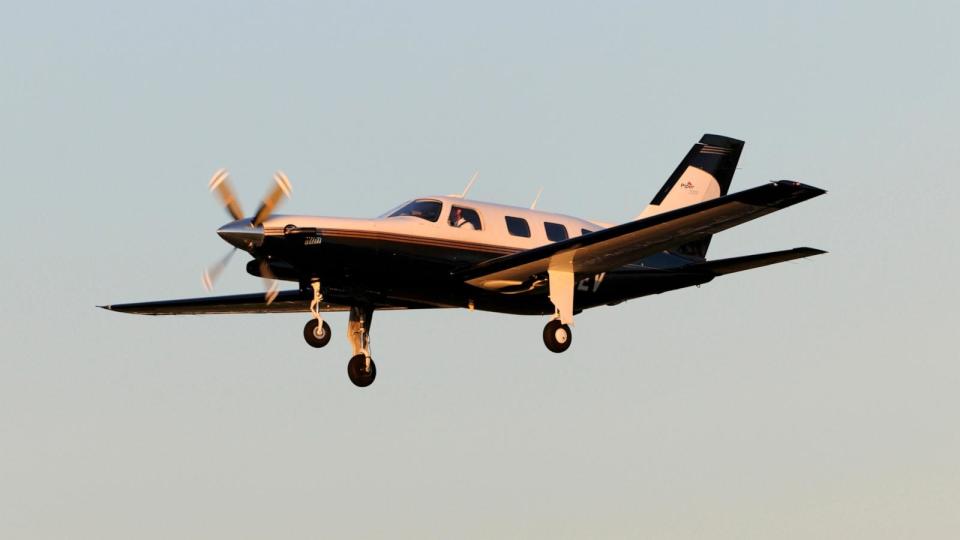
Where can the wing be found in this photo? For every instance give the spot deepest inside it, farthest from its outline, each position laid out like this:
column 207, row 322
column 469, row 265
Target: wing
column 286, row 302
column 614, row 247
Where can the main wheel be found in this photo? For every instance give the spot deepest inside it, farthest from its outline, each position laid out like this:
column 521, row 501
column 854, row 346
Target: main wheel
column 317, row 335
column 557, row 336
column 357, row 370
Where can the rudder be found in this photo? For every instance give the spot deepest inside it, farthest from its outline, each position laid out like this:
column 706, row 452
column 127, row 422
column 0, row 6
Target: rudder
column 705, row 173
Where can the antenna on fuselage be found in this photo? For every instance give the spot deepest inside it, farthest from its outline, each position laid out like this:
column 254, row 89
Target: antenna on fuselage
column 533, row 205
column 469, row 185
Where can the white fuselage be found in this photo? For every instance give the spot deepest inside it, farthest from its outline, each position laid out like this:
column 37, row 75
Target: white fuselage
column 489, row 225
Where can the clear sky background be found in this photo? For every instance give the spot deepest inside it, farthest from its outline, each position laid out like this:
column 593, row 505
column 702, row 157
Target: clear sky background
column 816, row 399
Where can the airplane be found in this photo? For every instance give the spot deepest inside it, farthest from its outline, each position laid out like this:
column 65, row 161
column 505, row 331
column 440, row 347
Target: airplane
column 452, row 252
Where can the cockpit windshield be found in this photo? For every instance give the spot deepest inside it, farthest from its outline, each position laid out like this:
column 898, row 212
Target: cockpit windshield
column 421, row 208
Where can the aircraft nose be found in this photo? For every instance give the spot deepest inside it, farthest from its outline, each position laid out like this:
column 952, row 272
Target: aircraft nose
column 242, row 234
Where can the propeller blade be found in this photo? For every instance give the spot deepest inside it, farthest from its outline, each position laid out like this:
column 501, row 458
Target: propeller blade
column 211, row 274
column 272, row 199
column 270, row 282
column 220, row 183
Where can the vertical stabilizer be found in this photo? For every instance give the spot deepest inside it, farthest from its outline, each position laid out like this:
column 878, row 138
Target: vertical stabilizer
column 705, row 173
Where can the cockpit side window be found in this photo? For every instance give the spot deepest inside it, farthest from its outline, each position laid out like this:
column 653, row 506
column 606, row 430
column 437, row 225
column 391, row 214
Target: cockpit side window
column 464, row 218
column 422, row 208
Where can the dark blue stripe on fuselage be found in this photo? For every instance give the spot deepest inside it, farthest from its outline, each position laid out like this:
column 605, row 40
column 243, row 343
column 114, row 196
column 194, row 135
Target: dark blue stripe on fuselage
column 384, row 270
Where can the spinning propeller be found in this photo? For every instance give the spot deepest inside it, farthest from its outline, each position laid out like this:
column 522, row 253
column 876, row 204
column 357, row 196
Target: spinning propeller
column 243, row 231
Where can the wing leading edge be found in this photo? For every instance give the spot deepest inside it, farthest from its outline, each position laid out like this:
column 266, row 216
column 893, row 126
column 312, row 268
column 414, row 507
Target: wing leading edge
column 616, row 246
column 286, row 302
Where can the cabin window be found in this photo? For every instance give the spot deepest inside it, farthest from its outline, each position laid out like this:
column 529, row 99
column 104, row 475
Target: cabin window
column 423, row 209
column 584, row 232
column 555, row 231
column 464, row 218
column 518, row 226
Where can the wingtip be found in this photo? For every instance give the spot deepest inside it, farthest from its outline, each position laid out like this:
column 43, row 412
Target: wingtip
column 813, row 190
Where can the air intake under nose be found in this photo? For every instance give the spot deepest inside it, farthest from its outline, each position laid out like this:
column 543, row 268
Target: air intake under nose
column 242, row 234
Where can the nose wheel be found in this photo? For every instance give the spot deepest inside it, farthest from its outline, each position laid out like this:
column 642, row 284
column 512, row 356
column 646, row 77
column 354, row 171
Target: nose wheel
column 362, row 370
column 557, row 336
column 317, row 333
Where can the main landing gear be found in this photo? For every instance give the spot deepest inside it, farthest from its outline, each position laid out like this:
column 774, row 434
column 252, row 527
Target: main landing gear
column 317, row 331
column 557, row 336
column 361, row 369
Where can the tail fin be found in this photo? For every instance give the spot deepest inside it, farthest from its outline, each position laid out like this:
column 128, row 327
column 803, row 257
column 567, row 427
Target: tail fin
column 705, row 173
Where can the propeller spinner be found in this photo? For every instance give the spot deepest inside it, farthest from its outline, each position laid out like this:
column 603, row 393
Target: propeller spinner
column 245, row 233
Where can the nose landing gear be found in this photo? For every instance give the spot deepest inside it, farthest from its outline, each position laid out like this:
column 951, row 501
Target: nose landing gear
column 361, row 369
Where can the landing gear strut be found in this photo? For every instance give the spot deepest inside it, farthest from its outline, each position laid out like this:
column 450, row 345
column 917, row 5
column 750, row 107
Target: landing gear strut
column 557, row 336
column 317, row 331
column 361, row 369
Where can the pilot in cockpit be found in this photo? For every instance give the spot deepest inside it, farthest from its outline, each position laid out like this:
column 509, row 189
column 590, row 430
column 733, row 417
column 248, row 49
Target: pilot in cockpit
column 457, row 219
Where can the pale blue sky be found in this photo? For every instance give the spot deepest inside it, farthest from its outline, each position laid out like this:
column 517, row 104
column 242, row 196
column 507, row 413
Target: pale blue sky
column 816, row 399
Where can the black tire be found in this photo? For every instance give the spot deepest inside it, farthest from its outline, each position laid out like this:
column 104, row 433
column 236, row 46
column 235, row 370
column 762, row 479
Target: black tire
column 557, row 336
column 316, row 335
column 356, row 369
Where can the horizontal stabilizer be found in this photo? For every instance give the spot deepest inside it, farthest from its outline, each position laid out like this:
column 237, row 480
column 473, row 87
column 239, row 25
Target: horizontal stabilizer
column 722, row 267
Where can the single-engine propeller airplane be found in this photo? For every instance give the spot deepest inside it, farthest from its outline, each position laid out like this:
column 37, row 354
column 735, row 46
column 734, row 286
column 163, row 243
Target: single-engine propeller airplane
column 451, row 252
